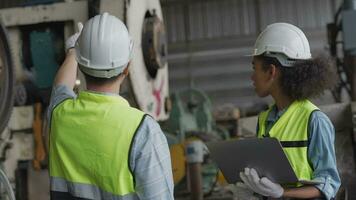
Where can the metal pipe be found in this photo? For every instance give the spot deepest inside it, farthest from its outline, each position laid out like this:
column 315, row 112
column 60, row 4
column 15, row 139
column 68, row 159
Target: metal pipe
column 196, row 182
column 195, row 156
column 8, row 188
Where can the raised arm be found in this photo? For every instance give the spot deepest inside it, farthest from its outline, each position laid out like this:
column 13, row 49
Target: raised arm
column 67, row 73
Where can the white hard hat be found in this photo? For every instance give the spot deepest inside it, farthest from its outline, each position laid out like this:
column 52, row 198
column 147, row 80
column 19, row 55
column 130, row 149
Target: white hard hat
column 283, row 41
column 104, row 47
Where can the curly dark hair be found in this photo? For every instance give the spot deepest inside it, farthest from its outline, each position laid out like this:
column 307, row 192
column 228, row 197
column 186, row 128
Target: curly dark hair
column 306, row 79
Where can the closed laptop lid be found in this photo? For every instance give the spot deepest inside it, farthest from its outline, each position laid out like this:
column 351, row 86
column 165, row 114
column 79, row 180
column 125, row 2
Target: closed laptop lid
column 265, row 155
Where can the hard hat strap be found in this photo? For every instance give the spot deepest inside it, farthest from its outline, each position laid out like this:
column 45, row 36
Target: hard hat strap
column 283, row 59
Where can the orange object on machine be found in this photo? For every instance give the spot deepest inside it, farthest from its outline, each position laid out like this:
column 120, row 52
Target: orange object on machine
column 40, row 152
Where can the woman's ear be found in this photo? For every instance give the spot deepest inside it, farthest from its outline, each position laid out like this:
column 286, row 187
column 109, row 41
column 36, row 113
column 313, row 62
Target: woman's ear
column 273, row 71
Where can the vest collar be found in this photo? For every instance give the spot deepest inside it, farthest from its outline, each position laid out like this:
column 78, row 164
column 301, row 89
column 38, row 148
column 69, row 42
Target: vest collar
column 275, row 114
column 102, row 97
column 103, row 93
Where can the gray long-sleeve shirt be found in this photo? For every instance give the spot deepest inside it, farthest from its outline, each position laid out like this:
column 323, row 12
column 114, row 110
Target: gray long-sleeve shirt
column 149, row 157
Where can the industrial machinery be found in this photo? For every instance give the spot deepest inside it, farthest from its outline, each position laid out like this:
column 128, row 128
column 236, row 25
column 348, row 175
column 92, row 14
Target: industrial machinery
column 32, row 37
column 6, row 89
column 189, row 126
column 342, row 45
column 34, row 51
column 37, row 34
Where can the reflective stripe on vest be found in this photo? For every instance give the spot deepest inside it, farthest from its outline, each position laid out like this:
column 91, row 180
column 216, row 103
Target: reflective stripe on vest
column 86, row 191
column 291, row 129
column 90, row 144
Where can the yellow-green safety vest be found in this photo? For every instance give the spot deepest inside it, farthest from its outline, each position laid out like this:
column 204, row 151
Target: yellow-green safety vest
column 90, row 141
column 291, row 129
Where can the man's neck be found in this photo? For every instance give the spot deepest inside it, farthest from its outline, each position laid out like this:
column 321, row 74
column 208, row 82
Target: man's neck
column 112, row 88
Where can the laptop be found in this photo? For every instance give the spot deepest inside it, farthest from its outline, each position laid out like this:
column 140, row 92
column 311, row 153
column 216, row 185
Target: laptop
column 265, row 155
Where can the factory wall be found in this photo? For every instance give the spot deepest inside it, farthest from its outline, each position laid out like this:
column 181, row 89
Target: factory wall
column 208, row 41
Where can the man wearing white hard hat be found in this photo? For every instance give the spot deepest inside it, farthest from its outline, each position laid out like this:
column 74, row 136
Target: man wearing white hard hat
column 284, row 69
column 100, row 147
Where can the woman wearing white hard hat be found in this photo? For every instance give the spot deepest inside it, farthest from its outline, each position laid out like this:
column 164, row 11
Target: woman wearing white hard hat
column 284, row 68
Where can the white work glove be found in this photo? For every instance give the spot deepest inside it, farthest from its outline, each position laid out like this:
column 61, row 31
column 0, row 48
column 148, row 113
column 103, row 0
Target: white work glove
column 70, row 42
column 261, row 186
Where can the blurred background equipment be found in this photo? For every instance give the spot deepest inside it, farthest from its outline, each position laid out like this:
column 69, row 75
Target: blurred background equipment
column 190, row 125
column 342, row 46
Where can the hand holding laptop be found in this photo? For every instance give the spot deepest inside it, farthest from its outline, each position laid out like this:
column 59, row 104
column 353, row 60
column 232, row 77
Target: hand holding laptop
column 259, row 185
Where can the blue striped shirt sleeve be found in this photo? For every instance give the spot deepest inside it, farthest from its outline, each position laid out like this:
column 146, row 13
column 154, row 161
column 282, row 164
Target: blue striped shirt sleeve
column 151, row 163
column 321, row 153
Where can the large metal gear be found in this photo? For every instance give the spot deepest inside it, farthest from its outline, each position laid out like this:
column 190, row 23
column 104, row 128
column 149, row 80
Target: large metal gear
column 6, row 79
column 148, row 73
column 154, row 43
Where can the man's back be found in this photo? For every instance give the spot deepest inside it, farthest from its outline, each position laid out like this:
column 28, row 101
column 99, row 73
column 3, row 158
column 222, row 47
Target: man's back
column 100, row 149
column 93, row 152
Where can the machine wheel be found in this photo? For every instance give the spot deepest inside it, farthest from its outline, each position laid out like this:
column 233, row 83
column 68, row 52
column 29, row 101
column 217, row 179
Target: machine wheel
column 149, row 67
column 6, row 79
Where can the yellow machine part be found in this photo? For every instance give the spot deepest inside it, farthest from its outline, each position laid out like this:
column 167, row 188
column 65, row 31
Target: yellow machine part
column 221, row 179
column 178, row 162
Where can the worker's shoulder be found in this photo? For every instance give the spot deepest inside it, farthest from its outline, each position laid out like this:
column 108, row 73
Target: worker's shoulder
column 59, row 94
column 149, row 121
column 317, row 116
column 320, row 124
column 149, row 126
column 134, row 110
